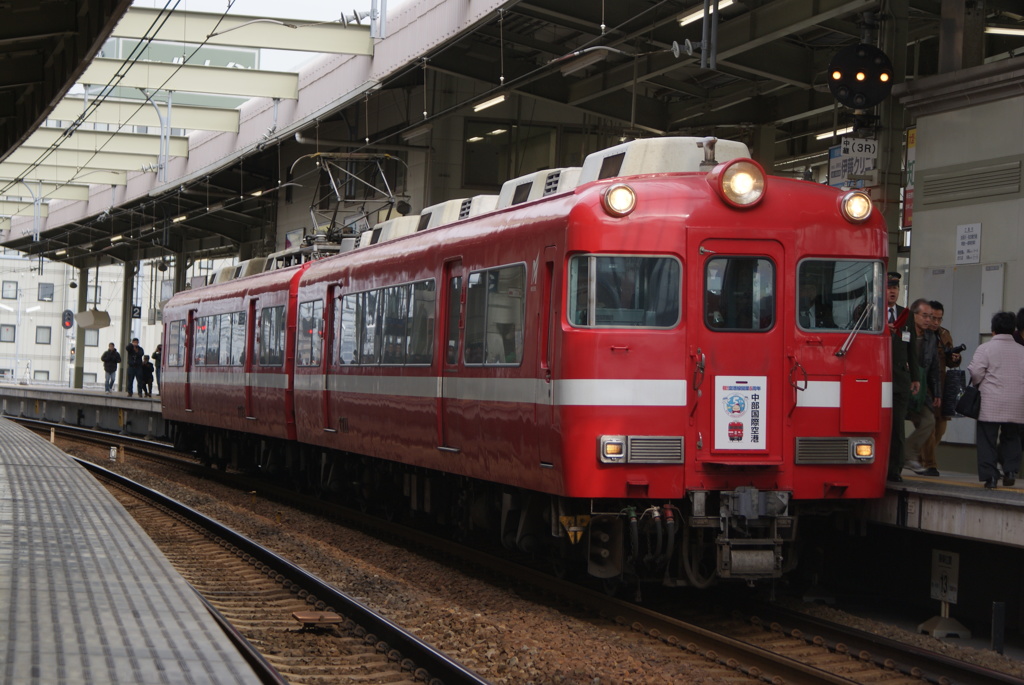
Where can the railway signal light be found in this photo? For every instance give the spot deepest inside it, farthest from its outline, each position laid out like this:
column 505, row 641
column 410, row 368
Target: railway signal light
column 860, row 76
column 67, row 320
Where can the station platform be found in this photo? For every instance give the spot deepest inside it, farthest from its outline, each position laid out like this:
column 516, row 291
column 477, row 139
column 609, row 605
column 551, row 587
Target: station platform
column 85, row 594
column 954, row 504
column 137, row 416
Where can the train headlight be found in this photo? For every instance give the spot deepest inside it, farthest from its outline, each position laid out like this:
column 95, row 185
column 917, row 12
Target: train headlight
column 856, row 206
column 619, row 199
column 613, row 449
column 864, row 450
column 740, row 182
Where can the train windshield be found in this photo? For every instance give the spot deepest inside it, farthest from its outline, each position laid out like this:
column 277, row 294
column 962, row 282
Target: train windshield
column 836, row 294
column 607, row 291
column 739, row 293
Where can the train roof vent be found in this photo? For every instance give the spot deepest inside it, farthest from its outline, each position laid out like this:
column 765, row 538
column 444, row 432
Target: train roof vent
column 559, row 181
column 450, row 211
column 656, row 156
column 225, row 274
column 251, row 267
column 348, row 244
column 365, row 239
column 397, row 227
column 537, row 185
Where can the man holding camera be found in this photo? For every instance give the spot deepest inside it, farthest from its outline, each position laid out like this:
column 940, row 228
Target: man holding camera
column 947, row 358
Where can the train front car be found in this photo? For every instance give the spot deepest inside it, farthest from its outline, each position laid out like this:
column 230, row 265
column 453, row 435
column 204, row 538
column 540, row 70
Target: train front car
column 724, row 364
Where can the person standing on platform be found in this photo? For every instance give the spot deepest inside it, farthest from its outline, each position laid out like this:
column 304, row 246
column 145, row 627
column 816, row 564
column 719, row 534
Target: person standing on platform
column 111, row 358
column 944, row 340
column 904, row 359
column 133, row 360
column 157, row 354
column 997, row 369
column 923, row 402
column 1018, row 334
column 146, row 377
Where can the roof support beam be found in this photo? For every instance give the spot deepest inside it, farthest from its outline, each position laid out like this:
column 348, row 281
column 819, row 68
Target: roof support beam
column 216, row 29
column 21, row 209
column 139, row 113
column 82, row 160
column 86, row 140
column 193, row 79
column 63, row 174
column 48, row 191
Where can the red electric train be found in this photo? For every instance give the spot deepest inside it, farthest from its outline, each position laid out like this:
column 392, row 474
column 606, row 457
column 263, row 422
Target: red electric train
column 648, row 367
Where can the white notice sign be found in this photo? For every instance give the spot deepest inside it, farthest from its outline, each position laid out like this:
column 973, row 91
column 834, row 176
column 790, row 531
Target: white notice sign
column 968, row 244
column 945, row 569
column 740, row 415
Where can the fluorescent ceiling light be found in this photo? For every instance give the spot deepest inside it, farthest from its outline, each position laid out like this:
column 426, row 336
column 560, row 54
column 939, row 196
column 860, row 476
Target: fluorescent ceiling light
column 1004, row 31
column 116, row 238
column 179, row 219
column 61, row 253
column 699, row 14
column 489, row 103
column 6, row 308
column 498, row 131
column 33, row 309
column 837, row 132
column 474, row 139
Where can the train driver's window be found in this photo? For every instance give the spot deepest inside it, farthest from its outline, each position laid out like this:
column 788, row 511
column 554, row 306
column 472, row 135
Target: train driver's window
column 838, row 294
column 739, row 293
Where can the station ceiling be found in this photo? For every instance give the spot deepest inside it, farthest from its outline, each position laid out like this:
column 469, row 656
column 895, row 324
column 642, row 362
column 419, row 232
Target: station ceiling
column 612, row 60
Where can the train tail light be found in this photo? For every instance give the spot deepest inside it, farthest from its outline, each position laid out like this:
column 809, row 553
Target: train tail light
column 619, row 200
column 740, row 182
column 856, row 206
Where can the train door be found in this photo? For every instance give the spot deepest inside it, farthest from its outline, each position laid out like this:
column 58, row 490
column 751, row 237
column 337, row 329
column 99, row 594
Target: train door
column 548, row 316
column 448, row 415
column 331, row 358
column 190, row 352
column 739, row 410
column 250, row 357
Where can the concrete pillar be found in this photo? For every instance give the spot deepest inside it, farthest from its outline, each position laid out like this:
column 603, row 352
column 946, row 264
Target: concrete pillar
column 83, row 304
column 961, row 35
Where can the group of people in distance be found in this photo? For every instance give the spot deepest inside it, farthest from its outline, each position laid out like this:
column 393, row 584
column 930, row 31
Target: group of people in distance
column 139, row 368
column 922, row 351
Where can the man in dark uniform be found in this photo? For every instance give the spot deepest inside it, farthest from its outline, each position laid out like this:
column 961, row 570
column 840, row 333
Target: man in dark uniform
column 904, row 360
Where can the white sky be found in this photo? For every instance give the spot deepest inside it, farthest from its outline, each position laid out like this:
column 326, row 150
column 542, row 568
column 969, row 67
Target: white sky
column 312, row 10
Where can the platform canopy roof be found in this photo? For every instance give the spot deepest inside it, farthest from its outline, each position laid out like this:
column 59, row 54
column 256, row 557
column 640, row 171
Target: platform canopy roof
column 104, row 119
column 633, row 68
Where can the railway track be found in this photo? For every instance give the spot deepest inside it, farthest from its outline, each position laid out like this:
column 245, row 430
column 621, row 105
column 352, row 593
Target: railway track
column 790, row 649
column 306, row 630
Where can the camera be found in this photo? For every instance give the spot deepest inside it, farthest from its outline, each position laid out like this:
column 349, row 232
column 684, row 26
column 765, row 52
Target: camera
column 955, row 350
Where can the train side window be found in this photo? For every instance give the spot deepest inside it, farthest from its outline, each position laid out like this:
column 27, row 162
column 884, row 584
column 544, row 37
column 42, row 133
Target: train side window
column 369, row 328
column 834, row 294
column 620, row 291
column 175, row 355
column 348, row 341
column 199, row 341
column 309, row 337
column 212, row 340
column 495, row 312
column 739, row 293
column 272, row 336
column 395, row 306
column 421, row 323
column 238, row 339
